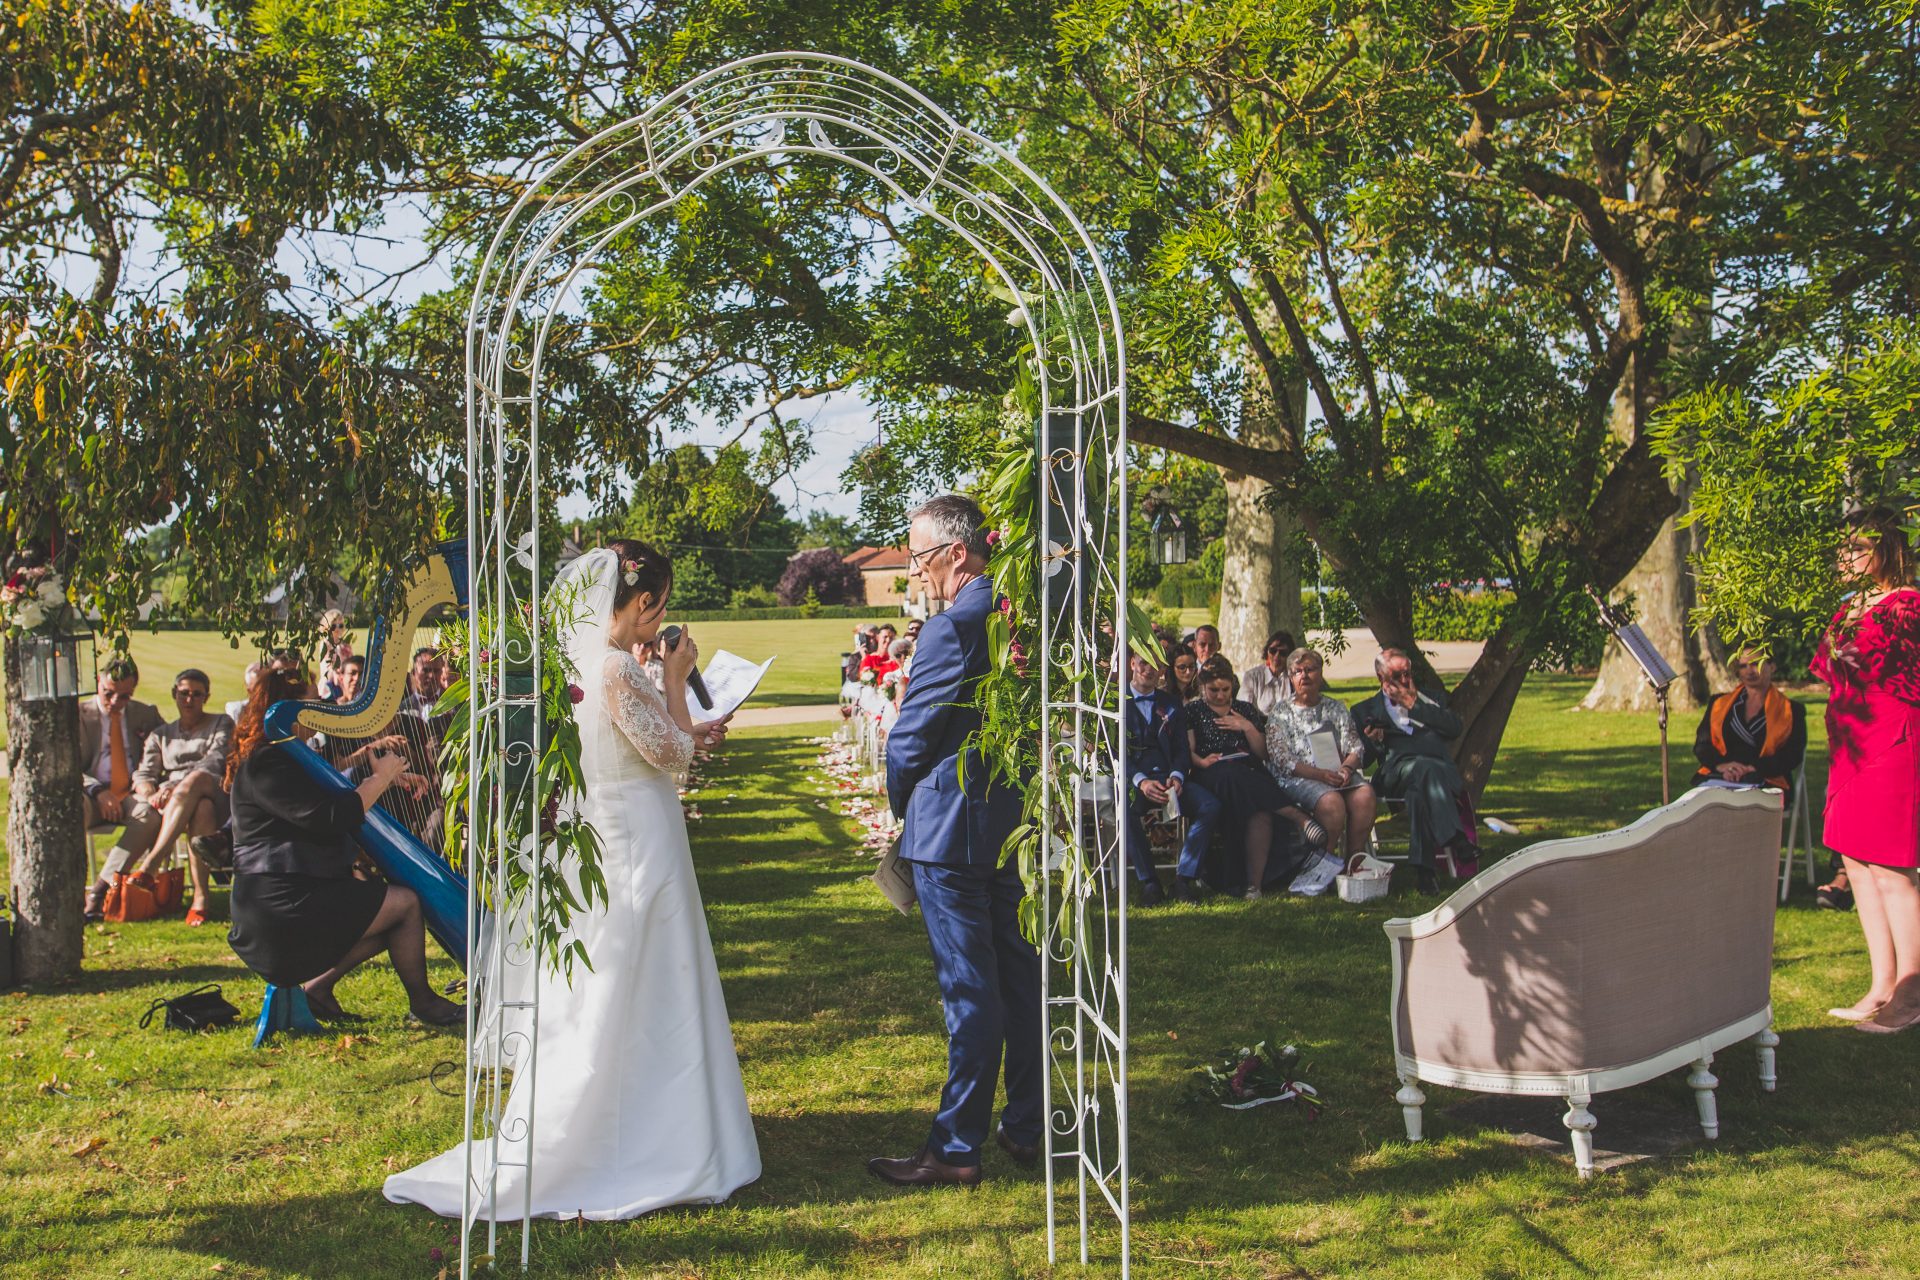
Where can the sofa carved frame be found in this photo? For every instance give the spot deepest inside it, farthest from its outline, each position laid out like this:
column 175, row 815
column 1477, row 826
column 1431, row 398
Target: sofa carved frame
column 1581, row 966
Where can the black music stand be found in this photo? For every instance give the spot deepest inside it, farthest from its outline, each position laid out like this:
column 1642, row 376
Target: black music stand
column 1652, row 665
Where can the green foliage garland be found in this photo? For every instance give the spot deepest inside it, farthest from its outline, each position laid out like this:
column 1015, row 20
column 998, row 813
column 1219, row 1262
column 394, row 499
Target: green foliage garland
column 550, row 820
column 1009, row 696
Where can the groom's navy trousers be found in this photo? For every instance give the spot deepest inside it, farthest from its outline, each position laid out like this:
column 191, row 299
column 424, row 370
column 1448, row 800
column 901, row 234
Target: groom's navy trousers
column 956, row 830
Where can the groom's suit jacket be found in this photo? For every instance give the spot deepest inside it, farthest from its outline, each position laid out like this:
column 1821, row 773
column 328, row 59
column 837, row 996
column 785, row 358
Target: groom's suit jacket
column 947, row 822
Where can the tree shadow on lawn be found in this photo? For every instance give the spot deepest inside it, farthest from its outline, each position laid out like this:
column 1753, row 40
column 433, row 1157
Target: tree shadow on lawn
column 1325, row 987
column 165, row 979
column 815, row 1205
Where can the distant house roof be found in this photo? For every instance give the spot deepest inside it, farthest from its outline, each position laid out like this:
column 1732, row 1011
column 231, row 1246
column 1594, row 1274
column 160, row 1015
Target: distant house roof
column 867, row 558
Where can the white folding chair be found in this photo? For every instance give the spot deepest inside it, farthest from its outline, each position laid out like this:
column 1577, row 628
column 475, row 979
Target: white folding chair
column 1799, row 833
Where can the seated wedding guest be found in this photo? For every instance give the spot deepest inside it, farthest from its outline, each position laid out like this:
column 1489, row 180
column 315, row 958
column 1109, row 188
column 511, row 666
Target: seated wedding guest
column 424, row 731
column 1181, row 674
column 1205, row 643
column 1227, row 746
column 336, row 646
column 1157, row 752
column 113, row 734
column 353, row 756
column 881, row 661
column 901, row 651
column 254, row 671
column 862, row 646
column 1753, row 733
column 423, row 683
column 1407, row 732
column 1266, row 683
column 182, row 776
column 301, row 917
column 1338, row 797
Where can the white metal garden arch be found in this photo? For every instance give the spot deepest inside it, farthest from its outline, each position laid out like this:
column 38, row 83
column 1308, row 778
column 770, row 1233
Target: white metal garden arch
column 779, row 107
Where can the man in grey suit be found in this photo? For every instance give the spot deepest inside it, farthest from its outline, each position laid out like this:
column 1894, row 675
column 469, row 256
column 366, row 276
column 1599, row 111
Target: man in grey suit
column 113, row 737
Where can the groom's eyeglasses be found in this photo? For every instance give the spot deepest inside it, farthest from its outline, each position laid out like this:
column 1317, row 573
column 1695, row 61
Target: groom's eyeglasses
column 914, row 558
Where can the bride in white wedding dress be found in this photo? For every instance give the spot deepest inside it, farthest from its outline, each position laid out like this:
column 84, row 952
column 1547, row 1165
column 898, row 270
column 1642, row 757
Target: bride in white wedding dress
column 636, row 1100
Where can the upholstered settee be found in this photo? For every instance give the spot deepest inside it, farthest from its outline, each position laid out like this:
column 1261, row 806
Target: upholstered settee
column 1585, row 965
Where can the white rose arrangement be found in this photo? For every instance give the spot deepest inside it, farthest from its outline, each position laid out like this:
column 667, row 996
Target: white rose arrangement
column 33, row 598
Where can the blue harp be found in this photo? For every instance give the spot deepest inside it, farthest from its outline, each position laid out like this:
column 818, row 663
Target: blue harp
column 395, row 846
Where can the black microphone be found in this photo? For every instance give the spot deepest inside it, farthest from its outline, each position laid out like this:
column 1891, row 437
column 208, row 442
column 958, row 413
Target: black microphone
column 670, row 637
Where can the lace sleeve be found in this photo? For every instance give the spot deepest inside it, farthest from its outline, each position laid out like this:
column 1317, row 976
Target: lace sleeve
column 639, row 712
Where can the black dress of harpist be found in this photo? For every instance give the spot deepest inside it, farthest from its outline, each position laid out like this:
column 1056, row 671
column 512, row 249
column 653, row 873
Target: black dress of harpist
column 302, row 916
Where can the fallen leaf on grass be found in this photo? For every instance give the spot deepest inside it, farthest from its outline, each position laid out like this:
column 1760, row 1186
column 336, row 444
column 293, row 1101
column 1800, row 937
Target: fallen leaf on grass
column 88, row 1147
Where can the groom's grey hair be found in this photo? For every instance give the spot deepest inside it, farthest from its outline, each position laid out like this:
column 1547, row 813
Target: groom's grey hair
column 954, row 517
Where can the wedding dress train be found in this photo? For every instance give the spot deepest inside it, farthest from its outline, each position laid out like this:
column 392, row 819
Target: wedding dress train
column 636, row 1100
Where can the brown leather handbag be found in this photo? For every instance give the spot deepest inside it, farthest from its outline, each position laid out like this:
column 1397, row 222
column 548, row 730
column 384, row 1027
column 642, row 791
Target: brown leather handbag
column 131, row 899
column 169, row 889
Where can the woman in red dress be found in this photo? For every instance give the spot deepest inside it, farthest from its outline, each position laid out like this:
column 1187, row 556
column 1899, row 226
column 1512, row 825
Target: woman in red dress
column 1871, row 658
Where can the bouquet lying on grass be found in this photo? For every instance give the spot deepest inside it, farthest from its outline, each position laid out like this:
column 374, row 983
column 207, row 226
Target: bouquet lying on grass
column 1241, row 1079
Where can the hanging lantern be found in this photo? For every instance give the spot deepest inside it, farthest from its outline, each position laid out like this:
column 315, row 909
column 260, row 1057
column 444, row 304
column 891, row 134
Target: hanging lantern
column 1169, row 530
column 50, row 664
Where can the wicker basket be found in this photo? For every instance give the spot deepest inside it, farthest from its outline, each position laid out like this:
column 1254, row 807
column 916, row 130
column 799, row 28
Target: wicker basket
column 1366, row 879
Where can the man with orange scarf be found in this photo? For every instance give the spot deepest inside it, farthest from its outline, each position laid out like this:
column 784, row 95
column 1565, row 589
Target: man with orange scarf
column 1754, row 733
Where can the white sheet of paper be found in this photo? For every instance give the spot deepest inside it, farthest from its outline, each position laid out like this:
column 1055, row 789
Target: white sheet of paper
column 731, row 680
column 895, row 879
column 1326, row 749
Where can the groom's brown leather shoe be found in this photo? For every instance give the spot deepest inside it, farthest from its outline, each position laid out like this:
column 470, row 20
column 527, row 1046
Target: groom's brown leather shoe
column 923, row 1169
column 1024, row 1154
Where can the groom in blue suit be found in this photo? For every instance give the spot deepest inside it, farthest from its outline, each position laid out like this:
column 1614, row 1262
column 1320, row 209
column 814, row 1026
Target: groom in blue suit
column 954, row 839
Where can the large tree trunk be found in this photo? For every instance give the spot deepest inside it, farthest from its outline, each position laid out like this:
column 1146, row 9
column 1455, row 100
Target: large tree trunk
column 46, row 831
column 1260, row 584
column 1260, row 588
column 1484, row 700
column 1662, row 587
column 1663, row 595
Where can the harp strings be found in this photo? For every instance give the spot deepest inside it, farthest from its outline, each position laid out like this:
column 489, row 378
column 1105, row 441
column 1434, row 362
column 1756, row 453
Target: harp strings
column 421, row 733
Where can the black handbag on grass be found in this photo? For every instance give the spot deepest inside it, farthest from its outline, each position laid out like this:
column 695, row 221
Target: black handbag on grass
column 199, row 1009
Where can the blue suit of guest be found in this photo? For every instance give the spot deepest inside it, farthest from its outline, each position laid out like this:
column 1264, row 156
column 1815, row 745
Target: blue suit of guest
column 954, row 837
column 1157, row 752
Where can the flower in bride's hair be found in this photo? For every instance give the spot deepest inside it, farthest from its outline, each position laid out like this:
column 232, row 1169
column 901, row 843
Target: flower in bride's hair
column 631, row 571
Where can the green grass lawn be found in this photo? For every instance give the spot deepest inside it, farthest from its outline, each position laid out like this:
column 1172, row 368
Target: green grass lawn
column 210, row 1155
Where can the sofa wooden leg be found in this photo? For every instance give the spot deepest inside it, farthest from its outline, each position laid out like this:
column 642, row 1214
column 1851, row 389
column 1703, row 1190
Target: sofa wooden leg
column 1703, row 1082
column 1580, row 1125
column 1411, row 1100
column 1768, row 1041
